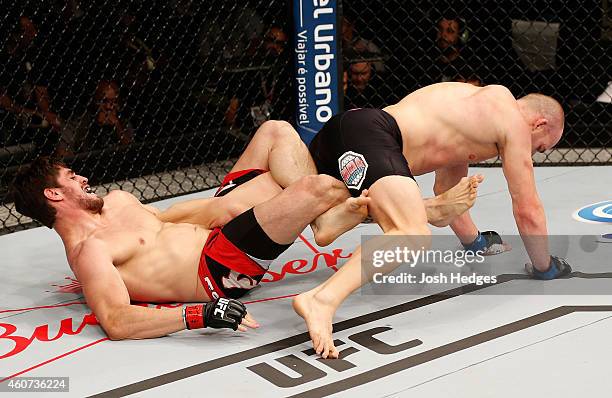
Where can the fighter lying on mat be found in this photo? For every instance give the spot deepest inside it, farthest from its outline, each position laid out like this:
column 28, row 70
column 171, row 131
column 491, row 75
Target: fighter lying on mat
column 120, row 250
column 441, row 128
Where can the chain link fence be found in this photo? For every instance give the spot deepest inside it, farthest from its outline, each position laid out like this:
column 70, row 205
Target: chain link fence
column 155, row 97
column 559, row 48
column 160, row 97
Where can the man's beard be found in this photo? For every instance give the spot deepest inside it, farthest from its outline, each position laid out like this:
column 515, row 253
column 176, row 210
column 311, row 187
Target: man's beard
column 93, row 205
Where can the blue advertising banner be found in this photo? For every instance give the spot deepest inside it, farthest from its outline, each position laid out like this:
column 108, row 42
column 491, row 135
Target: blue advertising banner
column 316, row 64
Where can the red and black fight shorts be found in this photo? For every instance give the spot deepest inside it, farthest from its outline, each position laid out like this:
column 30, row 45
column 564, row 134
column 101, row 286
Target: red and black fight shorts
column 237, row 178
column 236, row 256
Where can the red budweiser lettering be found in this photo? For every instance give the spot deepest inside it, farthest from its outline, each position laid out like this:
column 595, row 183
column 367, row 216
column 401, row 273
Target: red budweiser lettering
column 73, row 287
column 41, row 333
column 301, row 266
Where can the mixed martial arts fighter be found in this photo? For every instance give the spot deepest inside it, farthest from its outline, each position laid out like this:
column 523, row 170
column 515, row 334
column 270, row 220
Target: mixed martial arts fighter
column 443, row 128
column 209, row 250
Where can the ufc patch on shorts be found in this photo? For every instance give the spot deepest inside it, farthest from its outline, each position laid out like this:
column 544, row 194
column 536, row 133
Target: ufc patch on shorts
column 353, row 168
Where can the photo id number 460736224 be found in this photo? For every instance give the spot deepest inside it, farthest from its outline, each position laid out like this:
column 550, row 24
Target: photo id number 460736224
column 35, row 384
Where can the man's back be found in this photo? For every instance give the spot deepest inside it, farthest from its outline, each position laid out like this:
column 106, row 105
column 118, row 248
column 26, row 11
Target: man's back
column 157, row 261
column 450, row 124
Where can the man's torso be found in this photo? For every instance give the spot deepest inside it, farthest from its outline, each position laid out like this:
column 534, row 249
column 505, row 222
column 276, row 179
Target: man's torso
column 449, row 124
column 158, row 262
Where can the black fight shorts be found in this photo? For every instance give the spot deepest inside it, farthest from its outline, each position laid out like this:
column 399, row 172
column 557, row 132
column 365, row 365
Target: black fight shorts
column 359, row 147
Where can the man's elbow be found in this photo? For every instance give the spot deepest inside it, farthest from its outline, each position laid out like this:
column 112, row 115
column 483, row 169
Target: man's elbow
column 114, row 331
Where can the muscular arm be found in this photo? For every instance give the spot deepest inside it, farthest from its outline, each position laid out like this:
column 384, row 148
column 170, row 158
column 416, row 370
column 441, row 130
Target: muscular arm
column 208, row 212
column 446, row 178
column 107, row 296
column 526, row 205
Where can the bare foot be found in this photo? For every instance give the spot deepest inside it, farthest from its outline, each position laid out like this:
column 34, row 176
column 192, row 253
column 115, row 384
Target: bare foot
column 340, row 218
column 318, row 316
column 443, row 209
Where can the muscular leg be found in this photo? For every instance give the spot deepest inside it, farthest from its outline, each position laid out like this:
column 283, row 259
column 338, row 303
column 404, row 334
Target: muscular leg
column 212, row 212
column 287, row 214
column 218, row 211
column 441, row 211
column 277, row 147
column 397, row 206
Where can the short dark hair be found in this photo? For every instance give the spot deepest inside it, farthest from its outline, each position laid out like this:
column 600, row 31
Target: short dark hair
column 28, row 189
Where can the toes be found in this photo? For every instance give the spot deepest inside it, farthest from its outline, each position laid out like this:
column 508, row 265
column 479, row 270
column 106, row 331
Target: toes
column 315, row 342
column 319, row 346
column 325, row 352
column 329, row 350
column 334, row 353
column 322, row 349
column 477, row 179
column 361, row 201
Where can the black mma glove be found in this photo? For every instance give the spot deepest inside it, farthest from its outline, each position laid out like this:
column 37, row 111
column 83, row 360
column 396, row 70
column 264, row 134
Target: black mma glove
column 222, row 313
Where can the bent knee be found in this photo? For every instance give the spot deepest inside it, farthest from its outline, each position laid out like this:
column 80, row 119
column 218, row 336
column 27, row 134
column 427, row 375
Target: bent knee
column 284, row 125
column 275, row 130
